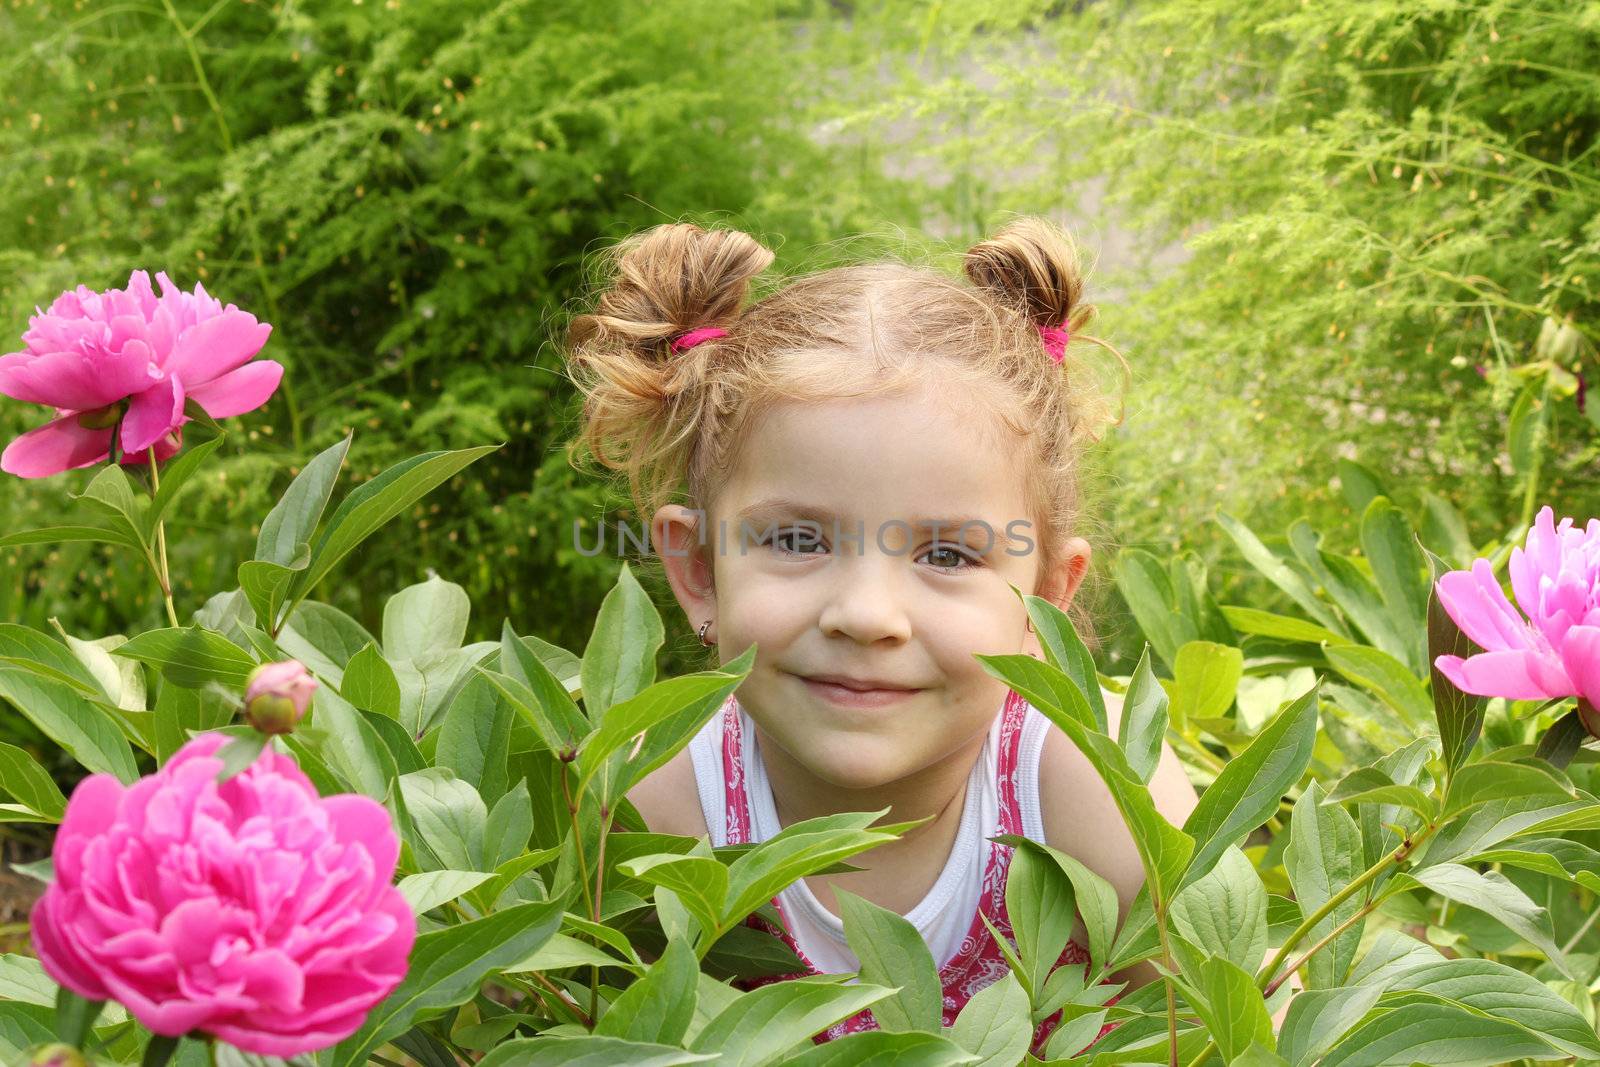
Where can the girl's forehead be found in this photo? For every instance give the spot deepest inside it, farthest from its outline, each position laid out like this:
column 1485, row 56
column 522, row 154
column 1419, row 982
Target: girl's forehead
column 926, row 453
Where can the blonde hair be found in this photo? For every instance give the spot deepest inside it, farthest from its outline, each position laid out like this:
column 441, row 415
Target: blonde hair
column 674, row 421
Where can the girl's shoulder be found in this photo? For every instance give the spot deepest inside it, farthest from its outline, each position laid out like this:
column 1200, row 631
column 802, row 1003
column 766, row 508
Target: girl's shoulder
column 668, row 798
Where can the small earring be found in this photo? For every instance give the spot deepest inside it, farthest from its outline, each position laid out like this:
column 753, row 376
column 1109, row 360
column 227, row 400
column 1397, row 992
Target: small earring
column 703, row 628
column 1030, row 624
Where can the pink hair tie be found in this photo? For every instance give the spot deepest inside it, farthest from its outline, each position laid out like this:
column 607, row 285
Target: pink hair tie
column 1055, row 342
column 694, row 337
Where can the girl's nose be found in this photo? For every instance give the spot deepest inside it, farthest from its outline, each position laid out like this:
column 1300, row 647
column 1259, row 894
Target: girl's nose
column 865, row 601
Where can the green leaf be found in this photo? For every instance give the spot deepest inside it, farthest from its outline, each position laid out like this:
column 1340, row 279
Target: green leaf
column 1369, row 785
column 1144, row 720
column 1225, row 913
column 1399, row 571
column 425, row 621
column 1248, row 790
column 667, row 737
column 110, row 494
column 1505, row 993
column 75, row 1016
column 446, row 968
column 1145, row 586
column 1525, row 431
column 369, row 683
column 22, row 777
column 622, row 722
column 1358, row 484
column 54, row 535
column 174, row 476
column 878, row 1048
column 659, row 1006
column 47, row 657
column 266, row 585
column 1279, row 573
column 180, row 712
column 293, row 519
column 800, row 849
column 773, row 1019
column 1350, row 589
column 1434, row 1033
column 1041, row 905
column 700, row 883
column 1205, row 679
column 1232, row 1008
column 1501, row 898
column 1384, row 676
column 892, row 952
column 620, row 658
column 589, row 1050
column 510, row 824
column 450, row 816
column 1066, row 652
column 1460, row 715
column 1323, row 856
column 90, row 735
column 430, row 889
column 476, row 736
column 376, row 502
column 994, row 1024
column 1095, row 898
column 323, row 638
column 1164, row 849
column 1478, row 783
column 190, row 657
column 353, row 748
column 1279, row 627
column 552, row 712
column 121, row 681
column 1317, row 1018
column 238, row 753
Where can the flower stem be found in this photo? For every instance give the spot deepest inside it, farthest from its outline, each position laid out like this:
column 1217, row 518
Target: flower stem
column 163, row 575
column 1264, row 981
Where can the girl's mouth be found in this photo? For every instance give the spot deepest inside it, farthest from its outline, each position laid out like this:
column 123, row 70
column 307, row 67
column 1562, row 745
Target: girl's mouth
column 844, row 696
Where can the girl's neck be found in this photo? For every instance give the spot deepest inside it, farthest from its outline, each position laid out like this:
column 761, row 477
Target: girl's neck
column 937, row 790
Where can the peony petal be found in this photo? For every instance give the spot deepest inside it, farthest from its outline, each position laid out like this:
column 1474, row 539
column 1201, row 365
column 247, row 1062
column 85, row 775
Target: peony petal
column 55, row 447
column 1581, row 655
column 1480, row 608
column 80, row 380
column 240, row 390
column 1515, row 675
column 213, row 347
column 360, row 820
column 151, row 414
column 60, row 960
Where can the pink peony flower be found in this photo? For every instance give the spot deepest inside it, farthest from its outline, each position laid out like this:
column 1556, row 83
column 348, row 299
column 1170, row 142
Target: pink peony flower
column 253, row 910
column 129, row 354
column 277, row 695
column 1555, row 651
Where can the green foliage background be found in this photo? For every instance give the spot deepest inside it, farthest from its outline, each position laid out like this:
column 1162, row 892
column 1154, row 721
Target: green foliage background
column 1337, row 213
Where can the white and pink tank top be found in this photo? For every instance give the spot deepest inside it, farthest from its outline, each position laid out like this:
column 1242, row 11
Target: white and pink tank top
column 1002, row 798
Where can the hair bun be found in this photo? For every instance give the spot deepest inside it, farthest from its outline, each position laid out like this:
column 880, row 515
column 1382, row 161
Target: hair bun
column 1032, row 265
column 668, row 280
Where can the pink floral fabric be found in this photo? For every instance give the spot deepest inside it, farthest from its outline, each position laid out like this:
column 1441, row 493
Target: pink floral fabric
column 978, row 962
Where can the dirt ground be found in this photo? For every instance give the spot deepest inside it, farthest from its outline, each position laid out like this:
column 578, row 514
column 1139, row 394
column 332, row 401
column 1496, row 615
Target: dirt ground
column 17, row 894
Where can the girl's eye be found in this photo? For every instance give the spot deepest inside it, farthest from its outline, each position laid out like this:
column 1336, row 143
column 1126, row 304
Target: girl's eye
column 955, row 555
column 805, row 538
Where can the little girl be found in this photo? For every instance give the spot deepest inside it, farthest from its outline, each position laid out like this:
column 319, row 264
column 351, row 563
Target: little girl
column 872, row 457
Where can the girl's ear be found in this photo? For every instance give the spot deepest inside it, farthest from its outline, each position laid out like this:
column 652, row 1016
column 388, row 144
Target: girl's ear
column 1062, row 582
column 676, row 532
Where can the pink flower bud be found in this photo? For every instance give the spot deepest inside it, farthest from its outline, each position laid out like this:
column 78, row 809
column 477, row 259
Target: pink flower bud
column 277, row 695
column 58, row 1055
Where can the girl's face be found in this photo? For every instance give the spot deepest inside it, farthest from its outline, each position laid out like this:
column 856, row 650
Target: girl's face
column 868, row 590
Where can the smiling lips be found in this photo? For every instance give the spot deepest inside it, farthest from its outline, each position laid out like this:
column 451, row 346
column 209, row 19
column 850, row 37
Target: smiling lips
column 857, row 692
